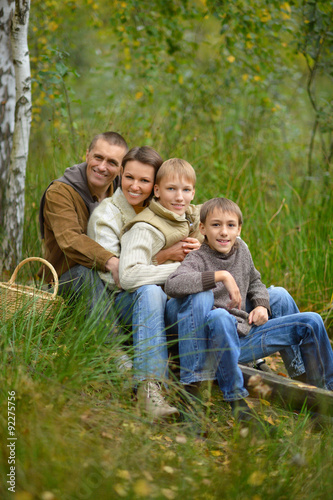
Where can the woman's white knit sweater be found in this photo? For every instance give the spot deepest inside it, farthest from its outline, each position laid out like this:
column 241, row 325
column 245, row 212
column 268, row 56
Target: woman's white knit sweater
column 105, row 226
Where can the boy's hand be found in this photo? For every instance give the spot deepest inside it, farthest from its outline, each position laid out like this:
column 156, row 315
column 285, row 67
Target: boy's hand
column 112, row 266
column 258, row 316
column 232, row 287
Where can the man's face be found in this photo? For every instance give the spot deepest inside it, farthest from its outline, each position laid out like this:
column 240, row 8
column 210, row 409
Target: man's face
column 103, row 165
column 221, row 230
column 175, row 194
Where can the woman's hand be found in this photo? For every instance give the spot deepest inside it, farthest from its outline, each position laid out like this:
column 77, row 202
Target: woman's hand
column 178, row 251
column 112, row 266
column 258, row 316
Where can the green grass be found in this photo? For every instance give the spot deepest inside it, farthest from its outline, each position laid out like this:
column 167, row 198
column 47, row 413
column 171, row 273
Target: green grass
column 80, row 434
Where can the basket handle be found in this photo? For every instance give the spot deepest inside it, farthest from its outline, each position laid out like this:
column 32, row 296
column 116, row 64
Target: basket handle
column 43, row 261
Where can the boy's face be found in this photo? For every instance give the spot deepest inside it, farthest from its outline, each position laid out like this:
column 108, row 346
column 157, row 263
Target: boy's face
column 174, row 193
column 221, row 230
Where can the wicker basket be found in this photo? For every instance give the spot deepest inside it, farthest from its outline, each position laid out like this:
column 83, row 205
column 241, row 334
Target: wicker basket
column 13, row 297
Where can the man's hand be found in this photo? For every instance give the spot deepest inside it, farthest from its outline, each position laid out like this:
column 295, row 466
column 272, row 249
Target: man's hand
column 178, row 251
column 112, row 266
column 258, row 316
column 232, row 287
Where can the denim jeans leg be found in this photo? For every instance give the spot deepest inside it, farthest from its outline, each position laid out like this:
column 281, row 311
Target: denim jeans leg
column 144, row 309
column 224, row 345
column 80, row 281
column 282, row 304
column 306, row 330
column 191, row 313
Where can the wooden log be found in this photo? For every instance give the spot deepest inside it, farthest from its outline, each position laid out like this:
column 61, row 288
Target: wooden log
column 289, row 393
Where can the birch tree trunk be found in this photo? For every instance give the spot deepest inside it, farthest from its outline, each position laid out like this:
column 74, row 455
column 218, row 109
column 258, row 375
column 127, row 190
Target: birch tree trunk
column 14, row 195
column 7, row 95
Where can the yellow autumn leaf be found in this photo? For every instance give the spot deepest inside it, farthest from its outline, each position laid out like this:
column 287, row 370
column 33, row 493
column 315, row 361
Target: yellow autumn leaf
column 48, row 495
column 23, row 495
column 120, row 490
column 138, row 95
column 245, row 77
column 257, row 78
column 265, row 16
column 169, row 494
column 231, row 59
column 142, row 488
column 269, row 419
column 216, row 453
column 180, row 79
column 181, row 439
column 285, row 6
column 147, row 475
column 168, row 469
column 257, row 478
column 124, row 474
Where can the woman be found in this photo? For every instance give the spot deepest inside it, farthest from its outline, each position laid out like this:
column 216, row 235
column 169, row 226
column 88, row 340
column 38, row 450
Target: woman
column 144, row 307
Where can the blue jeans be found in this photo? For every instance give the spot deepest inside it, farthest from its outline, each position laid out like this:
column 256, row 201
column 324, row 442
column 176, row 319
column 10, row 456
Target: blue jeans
column 144, row 309
column 209, row 346
column 282, row 304
column 80, row 281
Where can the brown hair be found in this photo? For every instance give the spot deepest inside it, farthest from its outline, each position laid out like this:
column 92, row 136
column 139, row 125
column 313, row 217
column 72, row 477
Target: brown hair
column 176, row 167
column 222, row 204
column 144, row 154
column 113, row 138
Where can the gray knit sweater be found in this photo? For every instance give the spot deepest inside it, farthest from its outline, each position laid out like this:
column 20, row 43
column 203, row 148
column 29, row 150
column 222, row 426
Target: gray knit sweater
column 196, row 274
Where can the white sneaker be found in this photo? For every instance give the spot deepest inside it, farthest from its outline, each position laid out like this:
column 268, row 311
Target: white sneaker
column 122, row 360
column 151, row 399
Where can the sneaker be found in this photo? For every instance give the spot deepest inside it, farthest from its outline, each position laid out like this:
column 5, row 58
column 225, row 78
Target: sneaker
column 150, row 397
column 243, row 415
column 241, row 411
column 122, row 361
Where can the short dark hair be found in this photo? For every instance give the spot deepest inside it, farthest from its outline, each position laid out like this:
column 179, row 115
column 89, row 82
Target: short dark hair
column 113, row 138
column 144, row 154
column 221, row 204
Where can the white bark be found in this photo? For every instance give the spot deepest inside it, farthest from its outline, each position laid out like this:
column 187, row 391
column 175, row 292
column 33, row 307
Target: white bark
column 14, row 196
column 7, row 94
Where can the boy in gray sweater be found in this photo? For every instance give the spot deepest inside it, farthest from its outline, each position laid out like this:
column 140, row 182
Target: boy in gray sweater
column 222, row 274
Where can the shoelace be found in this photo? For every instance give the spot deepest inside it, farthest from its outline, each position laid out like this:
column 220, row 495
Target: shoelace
column 153, row 390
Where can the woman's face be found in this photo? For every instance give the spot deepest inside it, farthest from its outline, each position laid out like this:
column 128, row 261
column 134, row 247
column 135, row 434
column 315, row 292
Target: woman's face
column 137, row 182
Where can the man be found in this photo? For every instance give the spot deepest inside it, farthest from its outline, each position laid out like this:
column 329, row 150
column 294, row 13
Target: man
column 64, row 212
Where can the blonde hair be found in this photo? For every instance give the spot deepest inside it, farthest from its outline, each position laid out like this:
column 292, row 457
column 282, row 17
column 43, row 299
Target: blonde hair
column 176, row 167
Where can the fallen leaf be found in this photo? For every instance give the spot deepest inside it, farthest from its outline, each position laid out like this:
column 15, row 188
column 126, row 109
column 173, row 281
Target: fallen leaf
column 257, row 478
column 168, row 469
column 181, row 439
column 120, row 490
column 124, row 474
column 216, row 453
column 168, row 493
column 142, row 488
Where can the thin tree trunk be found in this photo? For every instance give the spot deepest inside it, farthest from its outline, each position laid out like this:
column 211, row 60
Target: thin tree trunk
column 7, row 95
column 14, row 201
